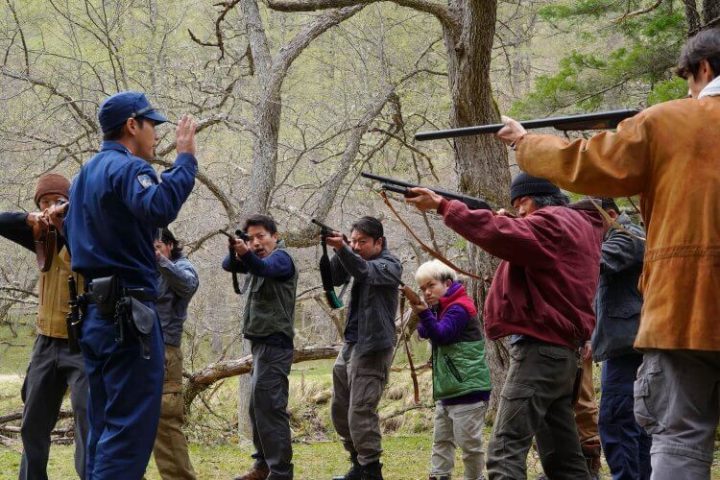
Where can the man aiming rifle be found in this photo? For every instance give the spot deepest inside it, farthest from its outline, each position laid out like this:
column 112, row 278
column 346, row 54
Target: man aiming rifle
column 668, row 154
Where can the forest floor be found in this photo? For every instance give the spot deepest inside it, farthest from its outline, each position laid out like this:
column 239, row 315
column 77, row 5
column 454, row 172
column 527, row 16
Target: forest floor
column 212, row 426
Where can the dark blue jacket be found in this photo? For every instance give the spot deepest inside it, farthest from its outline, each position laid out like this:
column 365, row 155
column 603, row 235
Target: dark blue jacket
column 618, row 301
column 117, row 206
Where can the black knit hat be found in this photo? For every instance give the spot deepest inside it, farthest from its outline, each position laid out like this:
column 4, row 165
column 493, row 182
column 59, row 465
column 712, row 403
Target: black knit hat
column 524, row 185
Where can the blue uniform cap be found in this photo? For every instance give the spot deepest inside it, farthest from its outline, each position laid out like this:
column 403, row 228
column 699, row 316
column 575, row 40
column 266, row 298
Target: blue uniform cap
column 116, row 109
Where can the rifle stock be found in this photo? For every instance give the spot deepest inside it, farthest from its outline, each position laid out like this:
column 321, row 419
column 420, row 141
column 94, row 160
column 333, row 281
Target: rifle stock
column 402, row 187
column 589, row 121
column 410, row 294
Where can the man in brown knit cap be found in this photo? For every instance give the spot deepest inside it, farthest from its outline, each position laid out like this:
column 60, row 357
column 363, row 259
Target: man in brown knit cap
column 53, row 367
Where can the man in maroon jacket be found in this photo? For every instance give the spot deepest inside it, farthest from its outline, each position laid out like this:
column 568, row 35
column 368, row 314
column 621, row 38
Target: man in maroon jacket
column 541, row 297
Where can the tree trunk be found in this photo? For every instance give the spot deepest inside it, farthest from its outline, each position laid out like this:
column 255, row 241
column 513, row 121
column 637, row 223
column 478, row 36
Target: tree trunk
column 481, row 160
column 711, row 11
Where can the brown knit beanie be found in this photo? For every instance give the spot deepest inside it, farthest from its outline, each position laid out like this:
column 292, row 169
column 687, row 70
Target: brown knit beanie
column 51, row 183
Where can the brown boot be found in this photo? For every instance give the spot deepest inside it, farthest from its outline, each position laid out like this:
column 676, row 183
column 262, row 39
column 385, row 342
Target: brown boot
column 591, row 451
column 259, row 471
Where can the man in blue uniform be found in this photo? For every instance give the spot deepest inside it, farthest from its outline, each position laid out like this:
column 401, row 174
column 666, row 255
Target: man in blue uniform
column 117, row 206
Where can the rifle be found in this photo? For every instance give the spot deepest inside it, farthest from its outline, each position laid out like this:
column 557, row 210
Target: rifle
column 588, row 121
column 73, row 319
column 244, row 237
column 325, row 270
column 238, row 234
column 400, row 186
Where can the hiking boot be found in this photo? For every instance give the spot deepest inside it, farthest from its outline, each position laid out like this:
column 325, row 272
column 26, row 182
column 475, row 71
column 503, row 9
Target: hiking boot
column 259, row 471
column 355, row 471
column 444, row 477
column 372, row 471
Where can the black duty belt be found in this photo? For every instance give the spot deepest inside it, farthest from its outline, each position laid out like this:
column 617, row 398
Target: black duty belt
column 137, row 293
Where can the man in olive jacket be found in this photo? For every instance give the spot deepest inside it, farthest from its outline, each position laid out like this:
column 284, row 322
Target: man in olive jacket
column 361, row 369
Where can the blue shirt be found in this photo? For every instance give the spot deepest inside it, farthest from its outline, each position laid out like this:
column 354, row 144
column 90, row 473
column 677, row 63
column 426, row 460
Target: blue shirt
column 277, row 265
column 117, row 206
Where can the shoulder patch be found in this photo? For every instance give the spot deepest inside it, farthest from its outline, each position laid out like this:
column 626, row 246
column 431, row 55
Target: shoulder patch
column 145, row 180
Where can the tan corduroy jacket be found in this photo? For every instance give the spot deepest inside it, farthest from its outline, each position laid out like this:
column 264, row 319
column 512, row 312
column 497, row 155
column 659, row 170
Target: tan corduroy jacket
column 55, row 295
column 670, row 155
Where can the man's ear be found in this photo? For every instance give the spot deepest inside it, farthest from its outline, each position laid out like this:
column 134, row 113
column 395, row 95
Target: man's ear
column 706, row 70
column 132, row 126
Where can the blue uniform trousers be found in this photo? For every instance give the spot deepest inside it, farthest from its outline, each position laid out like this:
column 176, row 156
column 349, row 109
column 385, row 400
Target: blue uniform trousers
column 125, row 398
column 625, row 443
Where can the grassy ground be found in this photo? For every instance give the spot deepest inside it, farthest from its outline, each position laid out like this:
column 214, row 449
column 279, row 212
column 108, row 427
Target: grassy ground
column 213, row 423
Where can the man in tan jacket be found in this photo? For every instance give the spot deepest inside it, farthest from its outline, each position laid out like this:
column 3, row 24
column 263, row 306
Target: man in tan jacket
column 669, row 154
column 53, row 367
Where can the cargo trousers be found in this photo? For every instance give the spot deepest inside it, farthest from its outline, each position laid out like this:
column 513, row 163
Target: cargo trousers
column 677, row 401
column 536, row 400
column 171, row 448
column 358, row 384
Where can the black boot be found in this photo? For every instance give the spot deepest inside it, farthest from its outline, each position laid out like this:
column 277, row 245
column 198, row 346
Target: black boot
column 372, row 471
column 355, row 472
column 444, row 477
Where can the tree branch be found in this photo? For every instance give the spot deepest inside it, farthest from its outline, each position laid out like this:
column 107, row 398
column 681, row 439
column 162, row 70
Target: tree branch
column 442, row 12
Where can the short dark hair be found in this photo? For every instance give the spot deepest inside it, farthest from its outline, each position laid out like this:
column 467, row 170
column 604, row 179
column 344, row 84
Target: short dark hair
column 703, row 46
column 264, row 221
column 554, row 200
column 370, row 226
column 167, row 237
column 117, row 133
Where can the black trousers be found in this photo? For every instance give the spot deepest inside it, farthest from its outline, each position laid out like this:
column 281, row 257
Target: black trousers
column 268, row 409
column 51, row 371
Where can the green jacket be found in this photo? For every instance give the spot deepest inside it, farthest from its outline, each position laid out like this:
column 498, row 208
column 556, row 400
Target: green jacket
column 459, row 368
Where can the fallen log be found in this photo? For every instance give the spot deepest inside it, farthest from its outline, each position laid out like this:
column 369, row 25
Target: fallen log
column 203, row 379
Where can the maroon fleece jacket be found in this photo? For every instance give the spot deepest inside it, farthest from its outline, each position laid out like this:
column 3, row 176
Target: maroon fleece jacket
column 545, row 285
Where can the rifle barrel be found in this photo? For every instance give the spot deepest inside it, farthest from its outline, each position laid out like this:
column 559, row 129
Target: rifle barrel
column 390, row 183
column 587, row 121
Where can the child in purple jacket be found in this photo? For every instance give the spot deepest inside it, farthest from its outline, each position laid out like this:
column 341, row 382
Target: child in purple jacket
column 461, row 379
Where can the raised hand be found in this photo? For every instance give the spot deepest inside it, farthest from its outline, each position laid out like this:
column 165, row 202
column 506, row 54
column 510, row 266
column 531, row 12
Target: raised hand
column 512, row 132
column 185, row 135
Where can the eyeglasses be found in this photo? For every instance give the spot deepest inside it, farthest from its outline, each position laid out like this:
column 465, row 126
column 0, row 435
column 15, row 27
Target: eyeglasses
column 51, row 203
